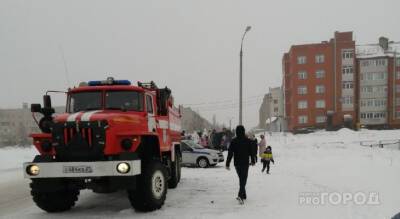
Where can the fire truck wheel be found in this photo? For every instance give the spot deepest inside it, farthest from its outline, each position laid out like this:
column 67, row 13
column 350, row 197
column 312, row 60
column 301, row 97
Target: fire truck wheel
column 151, row 188
column 202, row 162
column 58, row 199
column 175, row 172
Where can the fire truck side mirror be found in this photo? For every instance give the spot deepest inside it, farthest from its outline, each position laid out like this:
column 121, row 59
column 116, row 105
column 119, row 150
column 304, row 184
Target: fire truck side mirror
column 46, row 101
column 36, row 108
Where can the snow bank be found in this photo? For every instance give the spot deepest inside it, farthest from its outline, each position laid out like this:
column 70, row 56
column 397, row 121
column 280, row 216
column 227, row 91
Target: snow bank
column 12, row 157
column 316, row 163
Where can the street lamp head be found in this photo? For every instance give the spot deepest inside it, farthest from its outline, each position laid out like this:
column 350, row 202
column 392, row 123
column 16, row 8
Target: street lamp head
column 248, row 28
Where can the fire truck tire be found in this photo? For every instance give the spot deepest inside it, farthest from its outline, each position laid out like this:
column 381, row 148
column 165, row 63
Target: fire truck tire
column 175, row 172
column 58, row 200
column 151, row 190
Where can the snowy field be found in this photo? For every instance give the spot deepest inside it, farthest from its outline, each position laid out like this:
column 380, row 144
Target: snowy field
column 313, row 165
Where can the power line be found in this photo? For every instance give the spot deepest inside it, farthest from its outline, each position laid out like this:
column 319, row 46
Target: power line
column 221, row 101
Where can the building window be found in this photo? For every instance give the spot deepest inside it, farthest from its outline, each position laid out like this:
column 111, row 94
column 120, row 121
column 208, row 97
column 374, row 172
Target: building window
column 379, row 115
column 364, row 63
column 320, row 104
column 381, row 62
column 378, row 76
column 302, row 119
column 302, row 104
column 366, row 89
column 320, row 74
column 275, row 101
column 320, row 58
column 347, row 54
column 275, row 109
column 397, row 114
column 347, row 69
column 348, row 100
column 398, row 75
column 301, row 60
column 369, row 76
column 379, row 103
column 320, row 89
column 397, row 101
column 398, row 62
column 302, row 74
column 347, row 85
column 302, row 90
column 379, row 89
column 320, row 119
column 397, row 88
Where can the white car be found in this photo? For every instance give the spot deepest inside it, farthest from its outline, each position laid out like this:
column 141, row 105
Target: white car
column 196, row 155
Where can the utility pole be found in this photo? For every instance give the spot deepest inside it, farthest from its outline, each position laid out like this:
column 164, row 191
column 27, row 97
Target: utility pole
column 240, row 78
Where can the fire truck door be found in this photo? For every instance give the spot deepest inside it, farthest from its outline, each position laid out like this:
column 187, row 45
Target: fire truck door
column 151, row 121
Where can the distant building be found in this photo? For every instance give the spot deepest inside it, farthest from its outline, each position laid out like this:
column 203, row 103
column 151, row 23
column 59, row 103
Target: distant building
column 192, row 121
column 271, row 111
column 319, row 83
column 379, row 78
column 17, row 124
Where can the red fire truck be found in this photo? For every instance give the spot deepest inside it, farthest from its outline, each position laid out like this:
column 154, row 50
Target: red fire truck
column 113, row 136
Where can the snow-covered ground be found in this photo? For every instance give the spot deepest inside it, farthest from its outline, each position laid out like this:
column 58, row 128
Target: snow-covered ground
column 313, row 165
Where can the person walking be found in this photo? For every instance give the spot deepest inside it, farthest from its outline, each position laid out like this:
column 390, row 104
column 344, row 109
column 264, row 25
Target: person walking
column 254, row 146
column 240, row 150
column 266, row 158
column 261, row 145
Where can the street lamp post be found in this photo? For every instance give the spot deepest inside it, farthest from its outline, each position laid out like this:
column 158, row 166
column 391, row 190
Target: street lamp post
column 240, row 78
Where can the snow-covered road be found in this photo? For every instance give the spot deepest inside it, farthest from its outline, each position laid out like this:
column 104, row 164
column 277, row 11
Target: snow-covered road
column 331, row 163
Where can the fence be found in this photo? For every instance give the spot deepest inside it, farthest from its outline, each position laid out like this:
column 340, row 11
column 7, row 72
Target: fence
column 381, row 143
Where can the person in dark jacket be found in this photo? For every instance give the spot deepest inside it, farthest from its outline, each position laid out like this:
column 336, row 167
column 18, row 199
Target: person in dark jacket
column 240, row 150
column 254, row 146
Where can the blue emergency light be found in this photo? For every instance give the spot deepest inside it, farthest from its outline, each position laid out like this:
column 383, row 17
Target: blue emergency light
column 109, row 81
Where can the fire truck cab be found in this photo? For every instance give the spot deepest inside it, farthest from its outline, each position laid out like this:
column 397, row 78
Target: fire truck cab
column 112, row 136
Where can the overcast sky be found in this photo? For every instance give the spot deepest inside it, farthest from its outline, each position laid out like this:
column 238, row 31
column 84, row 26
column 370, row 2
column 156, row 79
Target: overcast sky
column 190, row 46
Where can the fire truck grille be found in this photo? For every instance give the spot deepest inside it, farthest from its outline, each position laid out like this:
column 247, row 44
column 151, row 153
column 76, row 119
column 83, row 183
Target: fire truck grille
column 84, row 133
column 79, row 141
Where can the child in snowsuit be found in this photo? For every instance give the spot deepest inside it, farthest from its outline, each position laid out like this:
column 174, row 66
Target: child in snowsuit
column 266, row 158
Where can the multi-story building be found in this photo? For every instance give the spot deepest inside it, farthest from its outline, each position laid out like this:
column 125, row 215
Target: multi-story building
column 271, row 110
column 379, row 84
column 17, row 124
column 318, row 83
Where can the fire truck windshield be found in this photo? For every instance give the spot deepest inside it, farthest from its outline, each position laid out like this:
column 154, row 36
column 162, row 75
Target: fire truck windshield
column 84, row 101
column 124, row 100
column 114, row 100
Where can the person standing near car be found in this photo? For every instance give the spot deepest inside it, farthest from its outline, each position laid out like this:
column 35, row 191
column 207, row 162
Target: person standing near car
column 240, row 150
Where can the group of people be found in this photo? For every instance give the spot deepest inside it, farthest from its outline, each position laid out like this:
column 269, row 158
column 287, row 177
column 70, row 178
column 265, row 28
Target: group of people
column 243, row 150
column 211, row 138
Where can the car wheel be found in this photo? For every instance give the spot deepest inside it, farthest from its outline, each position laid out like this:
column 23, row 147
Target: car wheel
column 203, row 162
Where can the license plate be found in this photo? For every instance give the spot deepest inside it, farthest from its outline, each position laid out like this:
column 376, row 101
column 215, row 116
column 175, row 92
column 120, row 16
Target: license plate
column 77, row 169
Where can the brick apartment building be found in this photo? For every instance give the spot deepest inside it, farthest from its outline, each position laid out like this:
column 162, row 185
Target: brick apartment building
column 318, row 83
column 336, row 83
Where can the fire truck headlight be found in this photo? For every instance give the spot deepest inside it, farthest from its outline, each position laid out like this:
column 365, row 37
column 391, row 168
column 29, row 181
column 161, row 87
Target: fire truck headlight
column 123, row 167
column 33, row 170
column 126, row 144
